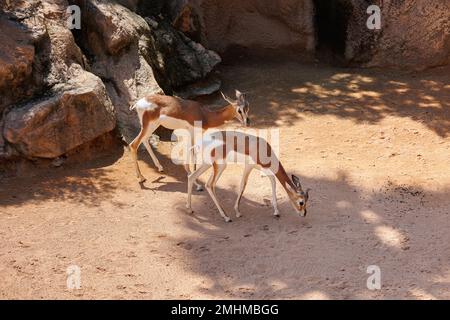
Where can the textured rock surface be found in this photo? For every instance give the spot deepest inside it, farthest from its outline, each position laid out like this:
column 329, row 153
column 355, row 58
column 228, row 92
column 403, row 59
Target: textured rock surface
column 177, row 59
column 41, row 26
column 118, row 40
column 414, row 34
column 50, row 103
column 254, row 24
column 16, row 62
column 78, row 112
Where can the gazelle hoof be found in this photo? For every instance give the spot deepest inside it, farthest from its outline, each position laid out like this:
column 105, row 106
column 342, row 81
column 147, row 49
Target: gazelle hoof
column 161, row 169
column 228, row 219
column 189, row 210
column 238, row 214
column 276, row 214
column 199, row 188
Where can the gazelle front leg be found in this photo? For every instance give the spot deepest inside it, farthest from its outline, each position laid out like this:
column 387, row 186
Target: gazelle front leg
column 191, row 159
column 246, row 174
column 198, row 186
column 271, row 176
column 187, row 168
column 191, row 179
column 211, row 188
column 151, row 128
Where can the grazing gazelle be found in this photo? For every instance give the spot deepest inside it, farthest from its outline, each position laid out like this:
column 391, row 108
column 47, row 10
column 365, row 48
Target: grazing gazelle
column 176, row 113
column 257, row 152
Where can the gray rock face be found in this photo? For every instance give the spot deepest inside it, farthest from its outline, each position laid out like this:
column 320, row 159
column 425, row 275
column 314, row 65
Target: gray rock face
column 111, row 27
column 78, row 112
column 119, row 39
column 178, row 60
column 204, row 87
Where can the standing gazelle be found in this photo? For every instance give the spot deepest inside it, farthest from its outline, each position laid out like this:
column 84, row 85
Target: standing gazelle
column 176, row 113
column 257, row 152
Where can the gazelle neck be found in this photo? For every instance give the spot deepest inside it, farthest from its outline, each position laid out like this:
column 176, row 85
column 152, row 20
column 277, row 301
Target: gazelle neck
column 284, row 178
column 215, row 118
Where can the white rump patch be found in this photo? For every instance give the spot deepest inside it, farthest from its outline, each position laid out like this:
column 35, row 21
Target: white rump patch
column 143, row 104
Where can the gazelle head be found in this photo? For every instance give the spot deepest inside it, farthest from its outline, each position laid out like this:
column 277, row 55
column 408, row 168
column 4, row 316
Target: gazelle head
column 241, row 107
column 298, row 197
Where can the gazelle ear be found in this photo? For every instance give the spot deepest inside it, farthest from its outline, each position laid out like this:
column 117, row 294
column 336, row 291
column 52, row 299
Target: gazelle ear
column 238, row 93
column 296, row 181
column 290, row 188
column 307, row 193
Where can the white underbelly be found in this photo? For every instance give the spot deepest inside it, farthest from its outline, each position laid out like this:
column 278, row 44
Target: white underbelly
column 173, row 123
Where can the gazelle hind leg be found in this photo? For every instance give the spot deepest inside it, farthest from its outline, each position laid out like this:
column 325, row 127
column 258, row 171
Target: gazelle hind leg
column 134, row 146
column 190, row 159
column 244, row 180
column 151, row 128
column 191, row 179
column 211, row 188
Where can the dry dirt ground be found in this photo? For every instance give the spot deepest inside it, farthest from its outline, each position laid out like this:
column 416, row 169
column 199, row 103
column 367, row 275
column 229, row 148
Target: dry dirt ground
column 374, row 146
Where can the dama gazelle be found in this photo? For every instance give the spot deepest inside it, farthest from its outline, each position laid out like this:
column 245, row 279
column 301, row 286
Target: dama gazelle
column 216, row 148
column 176, row 113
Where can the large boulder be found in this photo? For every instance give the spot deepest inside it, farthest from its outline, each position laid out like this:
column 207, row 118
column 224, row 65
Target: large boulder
column 17, row 54
column 35, row 55
column 118, row 40
column 77, row 112
column 178, row 60
column 110, row 27
column 37, row 46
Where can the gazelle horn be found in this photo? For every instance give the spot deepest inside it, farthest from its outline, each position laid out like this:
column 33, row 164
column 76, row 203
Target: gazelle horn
column 226, row 98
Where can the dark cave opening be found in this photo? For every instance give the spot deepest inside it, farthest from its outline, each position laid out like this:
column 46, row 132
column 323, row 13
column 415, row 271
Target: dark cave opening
column 331, row 21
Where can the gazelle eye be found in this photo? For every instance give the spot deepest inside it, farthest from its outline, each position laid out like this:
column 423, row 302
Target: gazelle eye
column 239, row 110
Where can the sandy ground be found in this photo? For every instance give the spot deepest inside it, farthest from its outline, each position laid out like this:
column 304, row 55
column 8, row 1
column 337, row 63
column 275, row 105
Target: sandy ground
column 374, row 146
